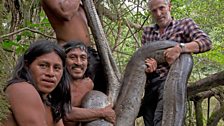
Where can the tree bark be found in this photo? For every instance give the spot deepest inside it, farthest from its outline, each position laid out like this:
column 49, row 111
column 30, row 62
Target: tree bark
column 110, row 67
column 15, row 9
column 198, row 112
column 205, row 84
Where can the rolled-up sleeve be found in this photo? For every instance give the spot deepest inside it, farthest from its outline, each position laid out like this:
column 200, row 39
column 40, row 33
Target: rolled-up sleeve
column 197, row 35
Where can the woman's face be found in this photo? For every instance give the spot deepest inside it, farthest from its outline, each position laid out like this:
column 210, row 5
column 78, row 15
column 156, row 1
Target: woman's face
column 46, row 71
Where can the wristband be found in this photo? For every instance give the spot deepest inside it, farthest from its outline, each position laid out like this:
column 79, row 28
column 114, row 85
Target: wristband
column 182, row 46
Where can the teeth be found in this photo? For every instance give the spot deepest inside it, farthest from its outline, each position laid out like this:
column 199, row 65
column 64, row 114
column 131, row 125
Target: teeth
column 76, row 68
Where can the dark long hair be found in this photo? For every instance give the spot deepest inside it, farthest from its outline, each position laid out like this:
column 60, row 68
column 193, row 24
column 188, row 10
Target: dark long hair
column 60, row 98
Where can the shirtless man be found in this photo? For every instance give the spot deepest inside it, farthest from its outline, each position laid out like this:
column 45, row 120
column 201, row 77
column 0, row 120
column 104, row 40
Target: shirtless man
column 33, row 91
column 68, row 19
column 77, row 62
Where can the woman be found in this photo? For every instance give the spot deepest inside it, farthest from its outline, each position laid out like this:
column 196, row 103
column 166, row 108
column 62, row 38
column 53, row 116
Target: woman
column 39, row 91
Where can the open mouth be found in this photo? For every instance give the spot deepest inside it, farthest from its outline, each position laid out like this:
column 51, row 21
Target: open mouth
column 77, row 68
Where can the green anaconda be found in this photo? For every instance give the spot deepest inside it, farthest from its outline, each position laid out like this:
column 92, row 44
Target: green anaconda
column 133, row 85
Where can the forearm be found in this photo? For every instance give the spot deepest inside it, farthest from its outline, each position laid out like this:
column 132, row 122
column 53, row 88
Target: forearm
column 191, row 47
column 84, row 114
column 196, row 47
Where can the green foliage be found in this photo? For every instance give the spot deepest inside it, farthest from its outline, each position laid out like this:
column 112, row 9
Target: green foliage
column 3, row 107
column 4, row 71
column 124, row 39
column 203, row 12
column 11, row 46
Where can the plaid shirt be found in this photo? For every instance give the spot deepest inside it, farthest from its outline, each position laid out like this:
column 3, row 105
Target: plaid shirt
column 182, row 31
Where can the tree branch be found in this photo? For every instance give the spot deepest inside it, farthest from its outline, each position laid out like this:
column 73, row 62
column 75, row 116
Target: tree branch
column 23, row 29
column 202, row 95
column 205, row 84
column 113, row 17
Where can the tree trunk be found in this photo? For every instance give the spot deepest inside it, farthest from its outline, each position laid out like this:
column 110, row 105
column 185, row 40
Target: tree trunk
column 110, row 67
column 198, row 112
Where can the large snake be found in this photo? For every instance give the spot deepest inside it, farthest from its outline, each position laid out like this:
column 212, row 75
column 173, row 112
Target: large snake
column 133, row 85
column 126, row 95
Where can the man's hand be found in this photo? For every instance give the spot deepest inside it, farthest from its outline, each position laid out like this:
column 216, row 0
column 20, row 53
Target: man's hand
column 171, row 54
column 109, row 114
column 151, row 65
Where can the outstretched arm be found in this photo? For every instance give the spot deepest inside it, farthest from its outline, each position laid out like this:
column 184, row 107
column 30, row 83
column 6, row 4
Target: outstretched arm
column 85, row 114
column 199, row 42
column 64, row 9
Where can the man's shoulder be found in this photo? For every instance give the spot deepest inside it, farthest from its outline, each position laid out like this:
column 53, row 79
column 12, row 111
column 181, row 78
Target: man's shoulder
column 21, row 86
column 184, row 20
column 149, row 27
column 89, row 82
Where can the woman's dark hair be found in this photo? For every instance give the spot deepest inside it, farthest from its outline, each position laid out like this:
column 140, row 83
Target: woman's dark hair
column 80, row 45
column 60, row 98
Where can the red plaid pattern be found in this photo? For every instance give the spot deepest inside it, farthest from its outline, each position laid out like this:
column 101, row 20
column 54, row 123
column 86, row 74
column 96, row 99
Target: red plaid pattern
column 182, row 31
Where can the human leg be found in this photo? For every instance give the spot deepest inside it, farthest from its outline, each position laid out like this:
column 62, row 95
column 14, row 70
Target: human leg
column 147, row 112
column 149, row 104
column 159, row 108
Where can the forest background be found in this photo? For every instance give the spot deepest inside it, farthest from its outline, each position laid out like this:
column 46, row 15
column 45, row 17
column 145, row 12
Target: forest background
column 23, row 21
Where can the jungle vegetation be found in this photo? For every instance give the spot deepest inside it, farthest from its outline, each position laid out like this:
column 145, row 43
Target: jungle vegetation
column 23, row 21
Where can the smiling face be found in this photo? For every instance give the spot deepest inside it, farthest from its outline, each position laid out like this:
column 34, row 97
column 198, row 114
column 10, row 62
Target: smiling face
column 46, row 71
column 160, row 10
column 76, row 63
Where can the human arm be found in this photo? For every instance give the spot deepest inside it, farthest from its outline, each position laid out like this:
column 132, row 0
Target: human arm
column 86, row 114
column 196, row 42
column 26, row 105
column 63, row 9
